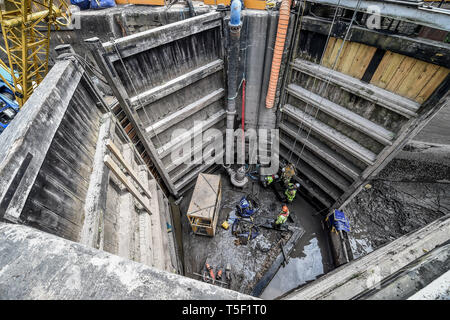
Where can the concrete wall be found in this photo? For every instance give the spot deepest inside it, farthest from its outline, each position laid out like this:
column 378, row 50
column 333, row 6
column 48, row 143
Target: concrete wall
column 55, row 177
column 36, row 265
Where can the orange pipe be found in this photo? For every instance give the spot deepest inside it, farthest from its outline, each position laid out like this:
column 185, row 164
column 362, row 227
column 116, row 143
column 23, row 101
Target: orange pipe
column 283, row 22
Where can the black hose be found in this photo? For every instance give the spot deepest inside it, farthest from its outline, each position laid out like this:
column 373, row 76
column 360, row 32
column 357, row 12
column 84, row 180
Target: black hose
column 192, row 12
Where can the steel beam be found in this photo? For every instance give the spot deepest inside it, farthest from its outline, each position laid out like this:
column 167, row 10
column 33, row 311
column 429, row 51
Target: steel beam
column 144, row 41
column 418, row 48
column 406, row 11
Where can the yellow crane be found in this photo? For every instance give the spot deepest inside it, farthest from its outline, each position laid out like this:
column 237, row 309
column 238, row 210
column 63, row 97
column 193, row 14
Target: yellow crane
column 26, row 27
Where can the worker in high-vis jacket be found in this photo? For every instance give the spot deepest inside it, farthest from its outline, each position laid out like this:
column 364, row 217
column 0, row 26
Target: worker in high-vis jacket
column 282, row 216
column 291, row 191
column 287, row 172
column 269, row 179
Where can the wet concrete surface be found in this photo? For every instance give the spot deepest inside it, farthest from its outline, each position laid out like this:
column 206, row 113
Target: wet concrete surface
column 309, row 258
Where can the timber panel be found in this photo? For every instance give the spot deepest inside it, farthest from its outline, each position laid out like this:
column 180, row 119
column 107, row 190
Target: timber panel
column 408, row 77
column 353, row 59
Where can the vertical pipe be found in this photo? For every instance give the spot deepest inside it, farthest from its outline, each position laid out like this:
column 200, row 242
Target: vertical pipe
column 235, row 25
column 283, row 23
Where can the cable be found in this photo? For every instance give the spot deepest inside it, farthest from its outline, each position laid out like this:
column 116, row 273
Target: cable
column 85, row 63
column 299, row 20
column 333, row 68
column 314, row 84
column 302, row 125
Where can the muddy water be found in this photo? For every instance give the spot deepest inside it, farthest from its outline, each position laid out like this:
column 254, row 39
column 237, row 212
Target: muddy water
column 310, row 258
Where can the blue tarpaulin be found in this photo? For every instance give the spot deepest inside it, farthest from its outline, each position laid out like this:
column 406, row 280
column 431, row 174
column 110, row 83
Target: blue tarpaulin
column 82, row 4
column 100, row 4
column 339, row 221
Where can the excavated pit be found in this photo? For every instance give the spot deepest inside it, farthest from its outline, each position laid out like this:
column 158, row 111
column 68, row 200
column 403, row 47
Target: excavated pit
column 410, row 192
column 250, row 262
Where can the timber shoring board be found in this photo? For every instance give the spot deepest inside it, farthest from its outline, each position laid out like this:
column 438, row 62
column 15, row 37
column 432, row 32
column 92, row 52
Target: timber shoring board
column 353, row 59
column 408, row 77
column 403, row 75
column 113, row 148
column 123, row 178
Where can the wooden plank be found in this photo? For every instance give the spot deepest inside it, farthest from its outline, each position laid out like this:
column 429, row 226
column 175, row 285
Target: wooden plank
column 418, row 47
column 113, row 148
column 362, row 60
column 343, row 58
column 334, row 52
column 419, row 76
column 350, row 54
column 327, row 54
column 388, row 65
column 370, row 92
column 434, row 82
column 400, row 74
column 123, row 178
column 353, row 60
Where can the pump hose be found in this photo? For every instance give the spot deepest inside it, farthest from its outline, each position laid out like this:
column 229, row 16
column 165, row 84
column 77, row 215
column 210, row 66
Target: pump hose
column 283, row 23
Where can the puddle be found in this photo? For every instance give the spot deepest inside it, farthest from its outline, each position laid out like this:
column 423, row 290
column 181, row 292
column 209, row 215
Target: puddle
column 310, row 258
column 297, row 272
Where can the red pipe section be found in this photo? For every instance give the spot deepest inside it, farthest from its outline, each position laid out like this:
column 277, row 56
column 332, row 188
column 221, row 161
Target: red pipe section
column 283, row 22
column 243, row 116
column 243, row 104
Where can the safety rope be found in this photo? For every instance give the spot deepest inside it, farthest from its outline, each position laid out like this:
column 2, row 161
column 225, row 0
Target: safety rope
column 85, row 64
column 333, row 68
column 302, row 125
column 298, row 27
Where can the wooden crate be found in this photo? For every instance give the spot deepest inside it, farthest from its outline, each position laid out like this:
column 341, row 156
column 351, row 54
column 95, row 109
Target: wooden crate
column 203, row 211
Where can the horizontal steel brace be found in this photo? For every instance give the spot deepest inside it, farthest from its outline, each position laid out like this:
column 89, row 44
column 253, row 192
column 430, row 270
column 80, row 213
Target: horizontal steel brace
column 410, row 12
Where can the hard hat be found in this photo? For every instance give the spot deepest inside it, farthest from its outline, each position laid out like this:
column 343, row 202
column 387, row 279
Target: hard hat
column 276, row 176
column 283, row 169
column 285, row 208
column 297, row 185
